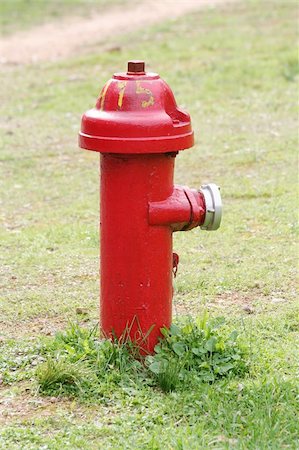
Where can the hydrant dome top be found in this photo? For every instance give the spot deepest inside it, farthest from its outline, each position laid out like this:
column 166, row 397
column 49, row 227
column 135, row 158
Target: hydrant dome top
column 136, row 112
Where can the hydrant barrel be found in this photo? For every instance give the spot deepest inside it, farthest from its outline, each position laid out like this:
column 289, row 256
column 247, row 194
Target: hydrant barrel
column 136, row 258
column 138, row 129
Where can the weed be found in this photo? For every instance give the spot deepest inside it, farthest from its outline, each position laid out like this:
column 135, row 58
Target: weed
column 196, row 351
column 167, row 372
column 60, row 376
column 77, row 361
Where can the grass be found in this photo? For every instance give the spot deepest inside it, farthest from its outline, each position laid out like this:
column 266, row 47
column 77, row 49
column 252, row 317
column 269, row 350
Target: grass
column 235, row 69
column 77, row 363
column 23, row 14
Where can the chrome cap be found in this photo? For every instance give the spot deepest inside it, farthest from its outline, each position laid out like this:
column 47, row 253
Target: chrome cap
column 211, row 194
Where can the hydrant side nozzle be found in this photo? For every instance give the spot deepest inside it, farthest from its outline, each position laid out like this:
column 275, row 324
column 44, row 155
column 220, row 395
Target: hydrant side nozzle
column 213, row 206
column 183, row 210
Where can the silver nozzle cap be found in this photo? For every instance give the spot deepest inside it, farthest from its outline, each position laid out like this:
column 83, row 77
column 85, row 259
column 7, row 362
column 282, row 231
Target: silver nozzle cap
column 212, row 197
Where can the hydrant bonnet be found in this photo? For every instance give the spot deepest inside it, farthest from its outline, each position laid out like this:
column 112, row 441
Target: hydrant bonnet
column 136, row 112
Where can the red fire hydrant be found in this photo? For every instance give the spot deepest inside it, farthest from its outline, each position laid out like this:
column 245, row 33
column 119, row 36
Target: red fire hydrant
column 138, row 129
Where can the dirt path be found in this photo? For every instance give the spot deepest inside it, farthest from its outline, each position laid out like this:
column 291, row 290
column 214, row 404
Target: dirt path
column 63, row 38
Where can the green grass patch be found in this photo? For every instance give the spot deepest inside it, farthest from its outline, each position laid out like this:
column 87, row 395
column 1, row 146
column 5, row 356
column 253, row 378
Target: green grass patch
column 195, row 352
column 255, row 408
column 78, row 363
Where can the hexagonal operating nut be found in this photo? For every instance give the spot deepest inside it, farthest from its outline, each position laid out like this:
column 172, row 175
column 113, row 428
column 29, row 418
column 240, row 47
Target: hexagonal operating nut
column 211, row 194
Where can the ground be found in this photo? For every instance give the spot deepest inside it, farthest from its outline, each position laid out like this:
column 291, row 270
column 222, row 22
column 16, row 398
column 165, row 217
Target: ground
column 90, row 24
column 235, row 69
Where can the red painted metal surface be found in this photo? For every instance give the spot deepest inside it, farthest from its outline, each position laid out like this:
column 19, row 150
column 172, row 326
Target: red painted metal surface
column 136, row 113
column 138, row 129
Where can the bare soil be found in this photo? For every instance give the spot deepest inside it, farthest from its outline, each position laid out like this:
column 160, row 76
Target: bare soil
column 63, row 38
column 250, row 302
column 25, row 405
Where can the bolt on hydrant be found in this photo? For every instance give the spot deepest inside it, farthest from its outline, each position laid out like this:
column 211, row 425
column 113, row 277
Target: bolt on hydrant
column 138, row 129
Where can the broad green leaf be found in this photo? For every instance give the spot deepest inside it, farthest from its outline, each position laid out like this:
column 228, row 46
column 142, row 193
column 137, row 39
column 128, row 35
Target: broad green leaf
column 225, row 368
column 199, row 351
column 174, row 330
column 179, row 348
column 233, row 336
column 210, row 344
column 155, row 367
column 208, row 377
